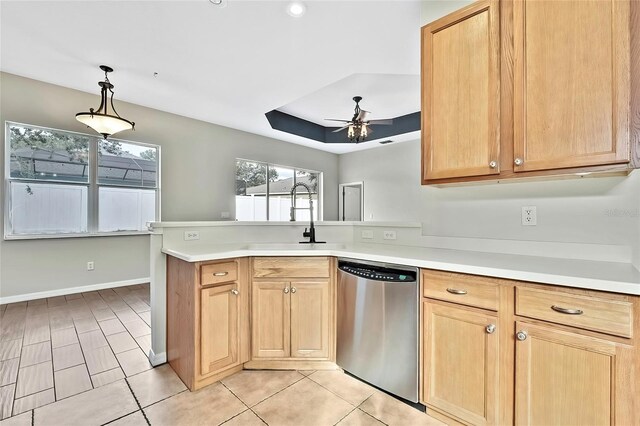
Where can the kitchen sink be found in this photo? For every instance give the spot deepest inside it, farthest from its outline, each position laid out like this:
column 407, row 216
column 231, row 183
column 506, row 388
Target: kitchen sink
column 295, row 246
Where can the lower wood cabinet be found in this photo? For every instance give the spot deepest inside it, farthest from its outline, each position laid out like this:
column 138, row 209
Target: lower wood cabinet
column 461, row 362
column 271, row 319
column 208, row 334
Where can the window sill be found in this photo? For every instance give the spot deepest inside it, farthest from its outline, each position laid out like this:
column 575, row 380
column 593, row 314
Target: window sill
column 85, row 235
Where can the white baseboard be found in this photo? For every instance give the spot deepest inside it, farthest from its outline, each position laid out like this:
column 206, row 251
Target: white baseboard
column 157, row 359
column 71, row 290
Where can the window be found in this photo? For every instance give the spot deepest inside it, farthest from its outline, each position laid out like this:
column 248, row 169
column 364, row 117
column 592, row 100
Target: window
column 69, row 183
column 263, row 192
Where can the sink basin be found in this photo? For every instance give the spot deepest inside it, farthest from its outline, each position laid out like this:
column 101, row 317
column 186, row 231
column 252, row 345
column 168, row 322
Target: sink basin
column 295, row 246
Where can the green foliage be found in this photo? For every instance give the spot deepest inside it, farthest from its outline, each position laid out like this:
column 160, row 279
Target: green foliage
column 149, row 154
column 250, row 174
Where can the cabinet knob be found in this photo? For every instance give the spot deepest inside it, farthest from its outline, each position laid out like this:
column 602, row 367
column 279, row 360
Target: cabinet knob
column 518, row 161
column 521, row 335
column 293, row 289
column 493, row 164
column 286, row 290
column 235, row 292
column 491, row 328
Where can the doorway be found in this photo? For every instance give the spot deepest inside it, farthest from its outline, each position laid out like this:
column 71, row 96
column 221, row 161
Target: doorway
column 351, row 204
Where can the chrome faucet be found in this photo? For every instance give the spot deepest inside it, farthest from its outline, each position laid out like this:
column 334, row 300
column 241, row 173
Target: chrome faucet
column 311, row 232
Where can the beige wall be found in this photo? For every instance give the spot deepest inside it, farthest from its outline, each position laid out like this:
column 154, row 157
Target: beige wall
column 198, row 169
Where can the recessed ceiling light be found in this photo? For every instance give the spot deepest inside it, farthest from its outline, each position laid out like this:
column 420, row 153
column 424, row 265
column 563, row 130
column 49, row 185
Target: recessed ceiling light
column 219, row 3
column 296, row 9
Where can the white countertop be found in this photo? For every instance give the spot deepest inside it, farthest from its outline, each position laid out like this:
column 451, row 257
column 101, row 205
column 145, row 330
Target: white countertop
column 606, row 276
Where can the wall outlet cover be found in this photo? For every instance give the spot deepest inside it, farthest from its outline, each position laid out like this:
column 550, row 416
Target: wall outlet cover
column 529, row 216
column 224, row 215
column 367, row 235
column 191, row 235
column 90, row 266
column 389, row 235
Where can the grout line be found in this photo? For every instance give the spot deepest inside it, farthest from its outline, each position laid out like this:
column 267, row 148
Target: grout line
column 137, row 402
column 33, row 417
column 121, row 417
column 243, row 403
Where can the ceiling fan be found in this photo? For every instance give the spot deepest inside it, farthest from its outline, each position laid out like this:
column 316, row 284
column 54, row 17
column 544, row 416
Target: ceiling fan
column 358, row 126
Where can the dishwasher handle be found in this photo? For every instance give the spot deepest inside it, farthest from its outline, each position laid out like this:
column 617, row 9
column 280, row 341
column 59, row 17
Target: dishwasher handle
column 376, row 273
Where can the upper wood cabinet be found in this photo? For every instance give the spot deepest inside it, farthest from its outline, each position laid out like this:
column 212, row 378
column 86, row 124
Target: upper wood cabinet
column 527, row 88
column 460, row 93
column 572, row 83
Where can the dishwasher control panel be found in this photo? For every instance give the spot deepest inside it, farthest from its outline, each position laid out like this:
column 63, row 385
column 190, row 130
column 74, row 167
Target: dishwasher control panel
column 377, row 273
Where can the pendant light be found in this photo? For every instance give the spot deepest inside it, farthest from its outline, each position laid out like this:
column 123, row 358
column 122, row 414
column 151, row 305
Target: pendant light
column 101, row 121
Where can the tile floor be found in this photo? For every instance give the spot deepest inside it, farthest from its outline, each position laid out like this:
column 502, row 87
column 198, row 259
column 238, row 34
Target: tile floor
column 79, row 360
column 52, row 349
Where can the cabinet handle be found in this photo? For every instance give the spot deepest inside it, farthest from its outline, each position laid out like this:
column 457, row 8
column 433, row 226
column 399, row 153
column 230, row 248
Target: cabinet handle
column 456, row 291
column 567, row 311
column 521, row 335
column 493, row 164
column 518, row 161
column 491, row 328
column 286, row 290
column 235, row 292
column 293, row 289
column 220, row 274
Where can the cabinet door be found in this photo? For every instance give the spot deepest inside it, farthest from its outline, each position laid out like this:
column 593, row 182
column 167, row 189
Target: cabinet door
column 219, row 328
column 310, row 314
column 270, row 319
column 460, row 362
column 563, row 378
column 571, row 83
column 460, row 93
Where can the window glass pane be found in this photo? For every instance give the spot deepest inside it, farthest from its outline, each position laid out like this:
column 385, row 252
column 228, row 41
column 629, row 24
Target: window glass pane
column 47, row 208
column 312, row 180
column 251, row 191
column 127, row 164
column 125, row 209
column 280, row 184
column 49, row 155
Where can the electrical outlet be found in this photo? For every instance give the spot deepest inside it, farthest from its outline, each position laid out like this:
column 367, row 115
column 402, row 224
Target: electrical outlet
column 389, row 235
column 90, row 266
column 529, row 216
column 367, row 235
column 191, row 235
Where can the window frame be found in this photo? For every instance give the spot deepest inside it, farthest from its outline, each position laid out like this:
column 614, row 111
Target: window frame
column 320, row 201
column 92, row 187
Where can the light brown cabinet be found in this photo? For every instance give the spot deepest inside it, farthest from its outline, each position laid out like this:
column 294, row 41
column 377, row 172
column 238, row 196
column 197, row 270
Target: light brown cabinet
column 461, row 362
column 207, row 319
column 561, row 102
column 293, row 312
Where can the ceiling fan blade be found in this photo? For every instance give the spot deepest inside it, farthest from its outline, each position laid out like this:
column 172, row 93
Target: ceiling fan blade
column 386, row 122
column 362, row 115
column 335, row 119
column 341, row 129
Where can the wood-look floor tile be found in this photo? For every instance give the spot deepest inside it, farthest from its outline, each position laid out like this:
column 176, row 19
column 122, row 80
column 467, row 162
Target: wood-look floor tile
column 35, row 354
column 9, row 371
column 117, row 305
column 63, row 337
column 156, row 384
column 133, row 362
column 6, row 400
column 71, row 381
column 92, row 339
column 211, row 405
column 36, row 302
column 34, row 378
column 121, row 342
column 100, row 359
column 137, row 327
column 84, row 325
column 33, row 401
column 97, row 304
column 10, row 349
column 127, row 315
column 73, row 296
column 19, row 420
column 111, row 326
column 37, row 334
column 146, row 317
column 94, row 407
column 56, row 301
column 104, row 314
column 59, row 323
column 107, row 377
column 67, row 356
column 145, row 343
column 81, row 312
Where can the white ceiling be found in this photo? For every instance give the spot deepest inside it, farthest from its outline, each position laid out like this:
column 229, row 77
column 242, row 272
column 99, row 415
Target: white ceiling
column 228, row 65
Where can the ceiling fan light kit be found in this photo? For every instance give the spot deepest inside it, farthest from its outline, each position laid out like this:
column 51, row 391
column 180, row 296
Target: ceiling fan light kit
column 100, row 120
column 358, row 127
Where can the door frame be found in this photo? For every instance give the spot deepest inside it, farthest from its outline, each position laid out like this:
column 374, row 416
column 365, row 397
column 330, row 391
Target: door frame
column 341, row 199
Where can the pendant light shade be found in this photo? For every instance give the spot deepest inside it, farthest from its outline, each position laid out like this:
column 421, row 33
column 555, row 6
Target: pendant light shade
column 101, row 120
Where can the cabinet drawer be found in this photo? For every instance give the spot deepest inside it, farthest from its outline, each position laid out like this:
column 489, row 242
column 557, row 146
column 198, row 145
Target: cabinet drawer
column 469, row 290
column 588, row 312
column 215, row 273
column 291, row 267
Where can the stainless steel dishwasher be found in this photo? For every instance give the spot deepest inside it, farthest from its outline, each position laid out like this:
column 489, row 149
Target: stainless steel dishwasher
column 378, row 325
